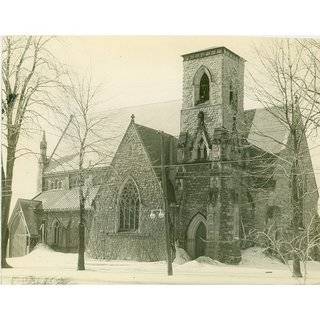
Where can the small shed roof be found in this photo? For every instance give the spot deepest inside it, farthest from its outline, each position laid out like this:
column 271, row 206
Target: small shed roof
column 65, row 200
column 27, row 209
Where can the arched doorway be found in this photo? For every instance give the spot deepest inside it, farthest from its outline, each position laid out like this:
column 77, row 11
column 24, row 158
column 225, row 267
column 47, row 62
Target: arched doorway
column 200, row 238
column 196, row 236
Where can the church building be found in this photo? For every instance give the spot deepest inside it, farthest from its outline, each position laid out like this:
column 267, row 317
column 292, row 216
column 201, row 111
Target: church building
column 224, row 173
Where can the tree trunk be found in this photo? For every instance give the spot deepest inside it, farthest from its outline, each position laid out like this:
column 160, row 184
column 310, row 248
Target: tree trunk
column 296, row 267
column 6, row 183
column 297, row 209
column 81, row 248
column 5, row 209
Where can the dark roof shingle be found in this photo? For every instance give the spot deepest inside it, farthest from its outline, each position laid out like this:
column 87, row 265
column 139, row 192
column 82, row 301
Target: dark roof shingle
column 151, row 141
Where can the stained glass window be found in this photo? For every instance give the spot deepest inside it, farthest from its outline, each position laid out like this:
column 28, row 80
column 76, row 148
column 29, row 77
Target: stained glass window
column 129, row 207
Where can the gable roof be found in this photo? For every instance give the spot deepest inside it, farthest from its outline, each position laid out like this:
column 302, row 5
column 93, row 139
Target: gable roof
column 261, row 129
column 265, row 130
column 27, row 209
column 65, row 163
column 64, row 200
column 151, row 140
column 162, row 116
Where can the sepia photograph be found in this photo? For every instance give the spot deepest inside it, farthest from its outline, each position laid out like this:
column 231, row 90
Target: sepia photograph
column 160, row 160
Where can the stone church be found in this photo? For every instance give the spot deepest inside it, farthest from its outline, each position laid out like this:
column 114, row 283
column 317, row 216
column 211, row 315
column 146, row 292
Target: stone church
column 224, row 171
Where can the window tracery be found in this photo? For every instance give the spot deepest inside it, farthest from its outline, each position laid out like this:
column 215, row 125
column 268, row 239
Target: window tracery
column 129, row 206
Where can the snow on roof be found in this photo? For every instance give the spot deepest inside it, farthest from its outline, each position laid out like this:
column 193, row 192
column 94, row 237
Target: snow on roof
column 262, row 130
column 267, row 132
column 65, row 199
column 162, row 116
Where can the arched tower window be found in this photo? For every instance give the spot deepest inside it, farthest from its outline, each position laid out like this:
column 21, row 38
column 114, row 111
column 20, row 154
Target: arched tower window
column 204, row 88
column 201, row 85
column 129, row 206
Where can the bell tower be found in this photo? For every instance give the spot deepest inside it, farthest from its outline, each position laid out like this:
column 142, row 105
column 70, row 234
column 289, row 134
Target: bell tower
column 213, row 81
column 210, row 143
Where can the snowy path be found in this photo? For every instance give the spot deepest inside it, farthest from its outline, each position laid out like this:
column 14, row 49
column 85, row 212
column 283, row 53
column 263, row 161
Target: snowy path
column 50, row 267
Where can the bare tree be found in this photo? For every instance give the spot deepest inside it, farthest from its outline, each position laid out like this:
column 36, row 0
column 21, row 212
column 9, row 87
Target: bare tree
column 289, row 89
column 304, row 245
column 87, row 137
column 29, row 74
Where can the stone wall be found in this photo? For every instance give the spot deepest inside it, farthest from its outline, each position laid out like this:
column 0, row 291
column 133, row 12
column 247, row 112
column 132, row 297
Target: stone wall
column 190, row 67
column 225, row 69
column 232, row 74
column 196, row 181
column 69, row 221
column 222, row 216
column 148, row 242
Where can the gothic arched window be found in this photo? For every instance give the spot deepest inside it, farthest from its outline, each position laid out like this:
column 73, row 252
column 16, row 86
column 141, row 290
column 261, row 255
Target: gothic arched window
column 201, row 85
column 204, row 88
column 56, row 233
column 43, row 232
column 129, row 206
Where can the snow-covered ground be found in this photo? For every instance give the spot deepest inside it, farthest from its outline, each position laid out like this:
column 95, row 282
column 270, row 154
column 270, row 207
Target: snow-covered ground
column 45, row 266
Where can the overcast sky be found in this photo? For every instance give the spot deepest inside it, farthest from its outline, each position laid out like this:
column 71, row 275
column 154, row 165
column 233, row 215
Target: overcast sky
column 133, row 71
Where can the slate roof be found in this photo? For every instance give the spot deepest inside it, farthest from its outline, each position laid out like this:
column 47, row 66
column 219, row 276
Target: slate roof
column 265, row 131
column 165, row 116
column 151, row 141
column 68, row 162
column 162, row 116
column 64, row 200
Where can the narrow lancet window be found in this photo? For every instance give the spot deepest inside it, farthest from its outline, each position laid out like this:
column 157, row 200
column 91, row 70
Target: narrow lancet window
column 129, row 207
column 204, row 89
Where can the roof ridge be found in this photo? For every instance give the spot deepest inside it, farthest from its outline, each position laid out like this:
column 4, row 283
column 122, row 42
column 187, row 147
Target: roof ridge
column 155, row 130
column 144, row 104
column 23, row 199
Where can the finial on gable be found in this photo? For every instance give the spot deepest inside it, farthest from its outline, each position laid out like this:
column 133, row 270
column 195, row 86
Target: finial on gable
column 132, row 118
